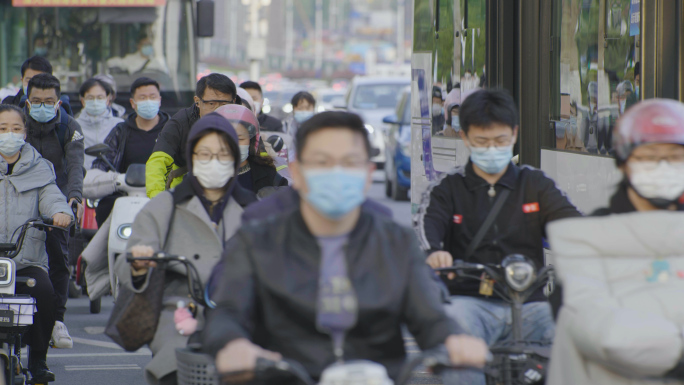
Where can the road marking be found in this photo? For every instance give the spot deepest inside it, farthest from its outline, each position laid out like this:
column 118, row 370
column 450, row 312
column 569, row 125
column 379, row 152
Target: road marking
column 102, row 344
column 94, row 329
column 141, row 352
column 71, row 368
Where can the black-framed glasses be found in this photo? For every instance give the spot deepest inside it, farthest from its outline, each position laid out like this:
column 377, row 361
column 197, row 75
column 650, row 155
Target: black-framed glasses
column 40, row 104
column 215, row 103
column 205, row 157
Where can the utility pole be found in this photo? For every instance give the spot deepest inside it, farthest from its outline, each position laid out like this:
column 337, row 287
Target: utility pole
column 318, row 63
column 289, row 34
column 332, row 16
column 232, row 50
column 400, row 31
column 254, row 63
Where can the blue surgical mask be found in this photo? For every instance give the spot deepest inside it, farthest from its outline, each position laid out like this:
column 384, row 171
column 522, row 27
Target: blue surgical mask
column 42, row 113
column 147, row 109
column 95, row 107
column 636, row 91
column 10, row 143
column 455, row 124
column 491, row 160
column 302, row 116
column 147, row 50
column 244, row 152
column 40, row 51
column 335, row 192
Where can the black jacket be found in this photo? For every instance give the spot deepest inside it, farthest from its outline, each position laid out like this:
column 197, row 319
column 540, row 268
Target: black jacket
column 265, row 176
column 15, row 100
column 116, row 140
column 268, row 288
column 174, row 137
column 458, row 204
column 269, row 123
column 67, row 160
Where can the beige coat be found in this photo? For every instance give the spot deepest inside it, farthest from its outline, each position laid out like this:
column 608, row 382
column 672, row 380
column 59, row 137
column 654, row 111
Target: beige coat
column 623, row 289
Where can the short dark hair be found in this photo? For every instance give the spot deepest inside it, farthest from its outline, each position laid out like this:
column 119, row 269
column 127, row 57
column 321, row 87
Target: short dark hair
column 92, row 82
column 218, row 82
column 13, row 108
column 251, row 85
column 142, row 82
column 302, row 95
column 43, row 82
column 36, row 63
column 487, row 106
column 331, row 119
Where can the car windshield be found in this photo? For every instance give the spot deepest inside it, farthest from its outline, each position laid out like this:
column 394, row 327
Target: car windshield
column 329, row 97
column 374, row 96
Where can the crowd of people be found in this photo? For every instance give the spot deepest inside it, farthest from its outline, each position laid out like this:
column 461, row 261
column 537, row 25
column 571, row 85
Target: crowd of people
column 315, row 271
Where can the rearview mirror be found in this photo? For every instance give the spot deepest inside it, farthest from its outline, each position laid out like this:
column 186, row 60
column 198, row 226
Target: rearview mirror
column 205, row 18
column 375, row 152
column 390, row 119
column 97, row 150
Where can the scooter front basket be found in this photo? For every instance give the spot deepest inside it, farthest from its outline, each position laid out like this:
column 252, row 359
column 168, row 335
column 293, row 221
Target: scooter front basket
column 16, row 310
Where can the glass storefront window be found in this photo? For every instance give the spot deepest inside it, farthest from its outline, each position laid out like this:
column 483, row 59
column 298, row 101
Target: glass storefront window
column 596, row 74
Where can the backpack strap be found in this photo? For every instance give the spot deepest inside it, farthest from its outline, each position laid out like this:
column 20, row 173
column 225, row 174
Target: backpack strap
column 61, row 128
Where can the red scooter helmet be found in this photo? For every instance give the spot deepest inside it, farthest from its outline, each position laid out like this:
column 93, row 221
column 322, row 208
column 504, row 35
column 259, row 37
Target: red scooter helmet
column 650, row 121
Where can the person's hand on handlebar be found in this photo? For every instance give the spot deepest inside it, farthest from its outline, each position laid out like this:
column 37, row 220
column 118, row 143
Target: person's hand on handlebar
column 240, row 355
column 441, row 259
column 61, row 220
column 465, row 350
column 142, row 251
column 79, row 210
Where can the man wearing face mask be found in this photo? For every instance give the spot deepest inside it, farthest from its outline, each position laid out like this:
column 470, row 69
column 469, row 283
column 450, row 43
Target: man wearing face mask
column 303, row 108
column 131, row 142
column 458, row 204
column 266, row 122
column 62, row 144
column 285, row 287
column 167, row 165
column 31, row 67
column 143, row 59
column 438, row 119
column 638, row 339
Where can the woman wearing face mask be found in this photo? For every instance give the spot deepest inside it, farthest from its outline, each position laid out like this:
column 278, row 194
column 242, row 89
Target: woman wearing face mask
column 96, row 118
column 452, row 103
column 621, row 270
column 195, row 218
column 256, row 172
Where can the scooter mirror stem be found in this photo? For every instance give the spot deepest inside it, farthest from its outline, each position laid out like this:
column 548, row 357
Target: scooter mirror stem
column 109, row 164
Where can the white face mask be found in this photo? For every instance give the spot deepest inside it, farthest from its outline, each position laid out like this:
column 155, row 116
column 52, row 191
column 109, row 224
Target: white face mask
column 213, row 174
column 244, row 152
column 657, row 181
column 257, row 107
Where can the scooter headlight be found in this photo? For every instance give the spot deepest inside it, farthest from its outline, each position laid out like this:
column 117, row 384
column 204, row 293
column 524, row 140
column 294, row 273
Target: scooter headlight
column 519, row 271
column 5, row 272
column 124, row 231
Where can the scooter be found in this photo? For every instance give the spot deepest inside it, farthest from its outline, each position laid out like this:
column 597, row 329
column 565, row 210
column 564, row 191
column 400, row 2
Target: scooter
column 124, row 211
column 16, row 310
column 518, row 361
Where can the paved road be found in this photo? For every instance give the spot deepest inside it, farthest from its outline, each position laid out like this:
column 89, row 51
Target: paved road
column 95, row 359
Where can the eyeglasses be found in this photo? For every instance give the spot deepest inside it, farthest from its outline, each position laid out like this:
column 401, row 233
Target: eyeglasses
column 351, row 163
column 48, row 104
column 500, row 141
column 205, row 157
column 215, row 103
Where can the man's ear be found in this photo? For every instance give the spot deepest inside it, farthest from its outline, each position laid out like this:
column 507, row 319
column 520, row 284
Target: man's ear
column 369, row 178
column 463, row 135
column 133, row 105
column 515, row 134
column 297, row 177
column 197, row 100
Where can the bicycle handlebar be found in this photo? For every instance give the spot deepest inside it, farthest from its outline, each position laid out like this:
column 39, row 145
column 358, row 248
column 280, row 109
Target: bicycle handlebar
column 460, row 265
column 37, row 223
column 195, row 286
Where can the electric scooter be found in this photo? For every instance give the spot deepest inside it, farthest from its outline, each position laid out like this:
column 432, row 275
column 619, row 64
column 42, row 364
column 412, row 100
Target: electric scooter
column 124, row 211
column 16, row 310
column 518, row 361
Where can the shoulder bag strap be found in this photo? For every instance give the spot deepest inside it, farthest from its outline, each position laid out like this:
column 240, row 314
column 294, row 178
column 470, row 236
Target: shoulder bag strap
column 168, row 230
column 489, row 221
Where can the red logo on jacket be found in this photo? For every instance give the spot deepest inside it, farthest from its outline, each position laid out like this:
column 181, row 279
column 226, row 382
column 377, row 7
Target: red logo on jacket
column 458, row 219
column 531, row 208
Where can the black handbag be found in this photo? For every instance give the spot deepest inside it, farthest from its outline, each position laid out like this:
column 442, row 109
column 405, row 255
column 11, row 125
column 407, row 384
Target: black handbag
column 135, row 316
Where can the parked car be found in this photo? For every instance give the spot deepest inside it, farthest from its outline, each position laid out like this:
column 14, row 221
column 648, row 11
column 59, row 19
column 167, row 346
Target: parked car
column 398, row 149
column 328, row 98
column 373, row 98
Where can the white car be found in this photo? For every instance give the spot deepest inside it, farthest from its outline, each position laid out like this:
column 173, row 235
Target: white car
column 373, row 98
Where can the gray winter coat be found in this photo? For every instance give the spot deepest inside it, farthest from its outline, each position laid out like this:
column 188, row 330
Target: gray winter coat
column 623, row 282
column 188, row 232
column 29, row 192
column 67, row 161
column 95, row 130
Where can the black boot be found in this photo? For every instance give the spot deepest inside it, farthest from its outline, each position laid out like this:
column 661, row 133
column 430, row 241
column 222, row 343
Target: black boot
column 40, row 372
